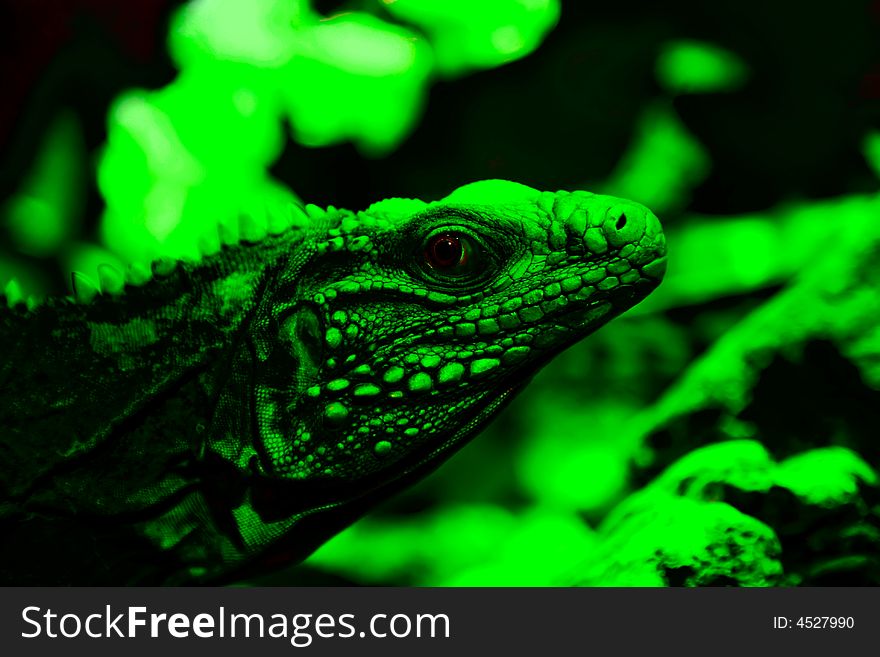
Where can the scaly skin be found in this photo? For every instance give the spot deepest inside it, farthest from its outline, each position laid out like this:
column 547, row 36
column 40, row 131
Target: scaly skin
column 227, row 416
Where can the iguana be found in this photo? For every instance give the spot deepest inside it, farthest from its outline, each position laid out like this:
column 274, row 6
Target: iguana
column 201, row 421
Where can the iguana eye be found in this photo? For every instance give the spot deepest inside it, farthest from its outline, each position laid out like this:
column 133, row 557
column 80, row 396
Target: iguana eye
column 448, row 252
column 454, row 259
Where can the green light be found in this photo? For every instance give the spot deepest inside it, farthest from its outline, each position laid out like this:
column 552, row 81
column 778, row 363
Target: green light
column 29, row 279
column 653, row 533
column 45, row 211
column 194, row 155
column 355, row 78
column 469, row 35
column 725, row 255
column 871, row 149
column 567, row 467
column 465, row 545
column 184, row 159
column 360, row 45
column 698, row 67
column 663, row 164
column 259, row 33
column 827, row 477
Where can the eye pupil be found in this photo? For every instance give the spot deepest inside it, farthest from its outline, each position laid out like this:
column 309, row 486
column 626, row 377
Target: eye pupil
column 445, row 251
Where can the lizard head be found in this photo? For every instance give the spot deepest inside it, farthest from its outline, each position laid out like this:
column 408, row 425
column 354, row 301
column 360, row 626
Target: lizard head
column 409, row 325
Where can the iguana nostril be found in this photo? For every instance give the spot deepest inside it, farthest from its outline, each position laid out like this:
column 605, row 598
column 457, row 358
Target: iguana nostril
column 625, row 224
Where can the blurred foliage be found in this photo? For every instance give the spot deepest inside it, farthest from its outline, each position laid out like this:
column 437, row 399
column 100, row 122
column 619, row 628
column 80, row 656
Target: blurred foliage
column 724, row 432
column 246, row 67
column 466, row 35
column 696, row 67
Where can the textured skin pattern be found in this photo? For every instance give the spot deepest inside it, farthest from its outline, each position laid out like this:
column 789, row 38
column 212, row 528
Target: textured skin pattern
column 205, row 420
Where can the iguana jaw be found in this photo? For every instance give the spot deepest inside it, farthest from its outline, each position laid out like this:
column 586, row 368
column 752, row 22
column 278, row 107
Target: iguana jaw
column 321, row 507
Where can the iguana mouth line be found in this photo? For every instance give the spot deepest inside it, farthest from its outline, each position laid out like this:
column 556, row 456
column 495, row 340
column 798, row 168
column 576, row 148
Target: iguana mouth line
column 582, row 310
column 406, row 336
